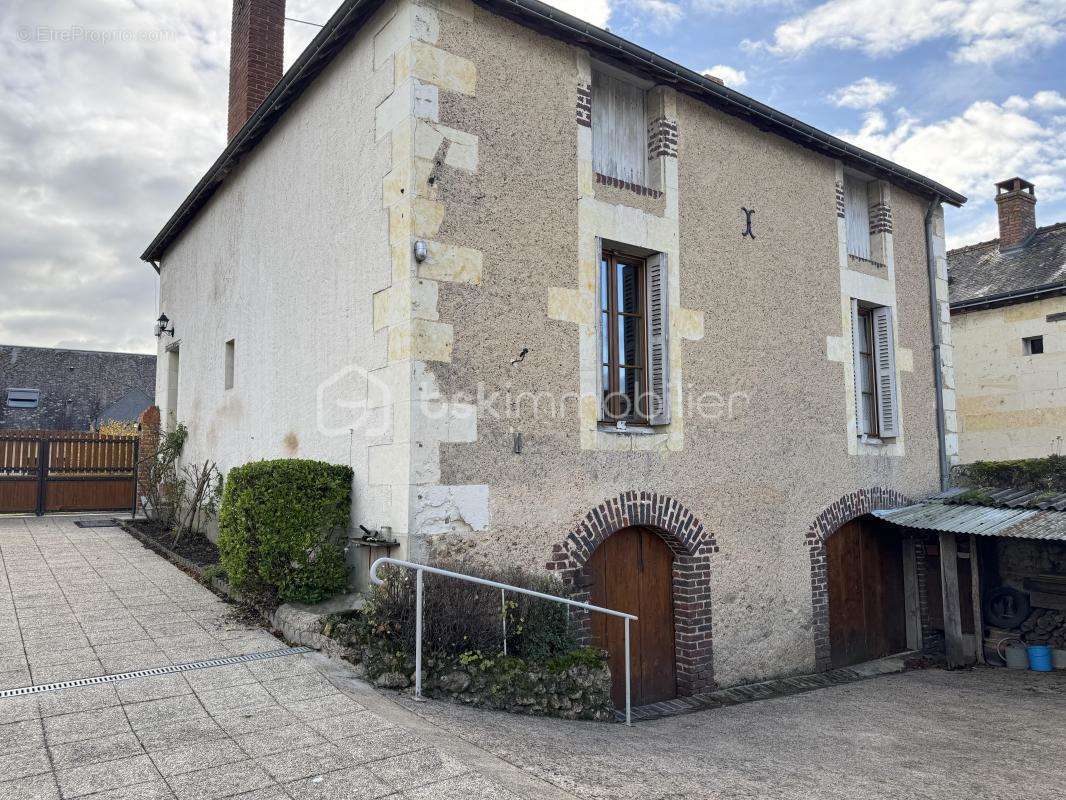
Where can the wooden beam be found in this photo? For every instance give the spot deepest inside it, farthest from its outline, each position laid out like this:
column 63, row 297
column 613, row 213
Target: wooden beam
column 975, row 583
column 911, row 606
column 949, row 583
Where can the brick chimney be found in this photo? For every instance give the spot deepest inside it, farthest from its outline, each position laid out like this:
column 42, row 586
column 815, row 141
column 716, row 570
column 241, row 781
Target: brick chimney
column 1016, row 199
column 255, row 57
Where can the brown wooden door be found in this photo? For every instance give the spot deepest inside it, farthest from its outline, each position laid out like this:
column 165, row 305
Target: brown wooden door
column 632, row 571
column 866, row 605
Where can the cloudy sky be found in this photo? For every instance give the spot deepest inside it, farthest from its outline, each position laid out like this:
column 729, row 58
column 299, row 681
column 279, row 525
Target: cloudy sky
column 111, row 110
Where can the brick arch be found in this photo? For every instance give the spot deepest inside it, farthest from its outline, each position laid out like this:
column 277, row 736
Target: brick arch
column 692, row 545
column 844, row 510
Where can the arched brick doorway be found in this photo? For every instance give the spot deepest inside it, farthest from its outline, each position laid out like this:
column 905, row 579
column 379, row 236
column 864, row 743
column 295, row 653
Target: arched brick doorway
column 833, row 519
column 691, row 546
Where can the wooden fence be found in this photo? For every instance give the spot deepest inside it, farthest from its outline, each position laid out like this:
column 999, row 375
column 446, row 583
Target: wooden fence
column 43, row 471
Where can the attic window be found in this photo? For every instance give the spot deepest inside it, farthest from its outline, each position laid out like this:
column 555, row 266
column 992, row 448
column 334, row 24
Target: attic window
column 23, row 398
column 619, row 128
column 1034, row 345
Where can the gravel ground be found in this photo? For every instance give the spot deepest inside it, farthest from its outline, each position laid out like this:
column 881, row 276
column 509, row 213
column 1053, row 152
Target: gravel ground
column 984, row 733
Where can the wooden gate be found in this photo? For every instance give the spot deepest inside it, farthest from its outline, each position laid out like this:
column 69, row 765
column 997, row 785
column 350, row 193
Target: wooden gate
column 632, row 571
column 866, row 605
column 44, row 471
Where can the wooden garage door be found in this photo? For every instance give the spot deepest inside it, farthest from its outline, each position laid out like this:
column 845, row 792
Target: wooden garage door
column 866, row 605
column 632, row 571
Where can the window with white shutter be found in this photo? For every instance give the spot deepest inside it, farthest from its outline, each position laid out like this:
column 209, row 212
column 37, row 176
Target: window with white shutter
column 876, row 392
column 633, row 336
column 857, row 217
column 619, row 128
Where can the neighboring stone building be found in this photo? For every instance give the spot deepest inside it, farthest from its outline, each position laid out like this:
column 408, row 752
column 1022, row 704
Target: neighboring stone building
column 1008, row 314
column 47, row 388
column 539, row 286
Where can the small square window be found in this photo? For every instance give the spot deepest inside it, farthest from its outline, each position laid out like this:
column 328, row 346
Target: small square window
column 23, row 398
column 230, row 347
column 1034, row 345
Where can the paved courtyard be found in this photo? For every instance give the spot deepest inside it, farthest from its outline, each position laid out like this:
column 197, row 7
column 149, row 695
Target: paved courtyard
column 83, row 602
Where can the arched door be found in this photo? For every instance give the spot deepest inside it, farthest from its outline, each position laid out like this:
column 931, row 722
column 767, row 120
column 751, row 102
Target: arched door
column 632, row 571
column 866, row 602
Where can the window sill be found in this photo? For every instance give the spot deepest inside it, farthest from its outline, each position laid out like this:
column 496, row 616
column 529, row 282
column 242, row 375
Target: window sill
column 618, row 183
column 866, row 262
column 877, row 441
column 635, row 430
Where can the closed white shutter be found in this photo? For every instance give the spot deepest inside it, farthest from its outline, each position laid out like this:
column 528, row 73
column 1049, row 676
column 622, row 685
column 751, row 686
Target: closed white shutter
column 619, row 129
column 857, row 217
column 856, row 369
column 658, row 341
column 885, row 363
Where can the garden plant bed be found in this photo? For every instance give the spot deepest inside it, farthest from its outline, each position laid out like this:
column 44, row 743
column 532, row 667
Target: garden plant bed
column 194, row 548
column 576, row 685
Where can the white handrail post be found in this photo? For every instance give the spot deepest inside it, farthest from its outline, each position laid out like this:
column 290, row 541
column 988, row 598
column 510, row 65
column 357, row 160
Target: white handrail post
column 503, row 610
column 629, row 714
column 418, row 634
column 504, row 588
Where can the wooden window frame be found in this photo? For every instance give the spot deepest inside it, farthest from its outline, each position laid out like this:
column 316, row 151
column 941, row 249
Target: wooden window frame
column 610, row 392
column 866, row 319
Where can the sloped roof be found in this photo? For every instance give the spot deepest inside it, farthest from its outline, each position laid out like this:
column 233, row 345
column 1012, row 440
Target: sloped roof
column 351, row 15
column 1014, row 513
column 981, row 275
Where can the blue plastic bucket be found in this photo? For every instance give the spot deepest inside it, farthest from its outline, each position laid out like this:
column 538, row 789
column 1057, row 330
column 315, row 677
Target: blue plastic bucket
column 1040, row 658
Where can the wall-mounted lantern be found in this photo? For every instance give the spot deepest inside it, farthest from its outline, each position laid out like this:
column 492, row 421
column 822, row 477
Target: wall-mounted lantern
column 161, row 326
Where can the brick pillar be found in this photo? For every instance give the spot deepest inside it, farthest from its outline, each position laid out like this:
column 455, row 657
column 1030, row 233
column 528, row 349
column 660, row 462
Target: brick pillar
column 1016, row 201
column 148, row 427
column 256, row 55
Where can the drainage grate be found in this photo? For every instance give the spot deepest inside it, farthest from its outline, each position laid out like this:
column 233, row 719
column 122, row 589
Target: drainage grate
column 96, row 523
column 145, row 673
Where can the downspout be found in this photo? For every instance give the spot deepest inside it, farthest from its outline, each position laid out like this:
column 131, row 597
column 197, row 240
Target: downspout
column 934, row 324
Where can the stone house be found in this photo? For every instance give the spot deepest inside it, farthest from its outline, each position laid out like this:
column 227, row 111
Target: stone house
column 565, row 304
column 51, row 388
column 1008, row 312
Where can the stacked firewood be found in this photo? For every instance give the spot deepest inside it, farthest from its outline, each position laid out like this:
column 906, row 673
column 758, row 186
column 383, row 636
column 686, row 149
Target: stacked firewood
column 1045, row 626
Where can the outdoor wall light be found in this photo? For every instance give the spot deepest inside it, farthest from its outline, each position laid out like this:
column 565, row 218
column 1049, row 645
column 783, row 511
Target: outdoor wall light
column 421, row 251
column 161, row 326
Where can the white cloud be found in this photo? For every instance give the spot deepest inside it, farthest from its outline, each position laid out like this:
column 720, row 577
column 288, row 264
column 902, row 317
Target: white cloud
column 595, row 11
column 1049, row 101
column 733, row 77
column 109, row 114
column 987, row 142
column 736, row 6
column 864, row 93
column 659, row 15
column 985, row 31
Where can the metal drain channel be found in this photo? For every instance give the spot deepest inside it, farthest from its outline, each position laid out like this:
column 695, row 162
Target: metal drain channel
column 98, row 680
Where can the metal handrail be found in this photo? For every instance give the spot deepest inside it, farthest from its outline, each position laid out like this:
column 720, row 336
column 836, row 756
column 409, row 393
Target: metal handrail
column 503, row 587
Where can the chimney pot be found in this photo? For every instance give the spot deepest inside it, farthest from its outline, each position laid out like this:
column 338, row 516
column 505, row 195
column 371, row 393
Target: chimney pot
column 1016, row 201
column 255, row 59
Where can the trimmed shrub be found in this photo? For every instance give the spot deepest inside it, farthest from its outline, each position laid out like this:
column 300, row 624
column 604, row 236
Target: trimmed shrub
column 279, row 527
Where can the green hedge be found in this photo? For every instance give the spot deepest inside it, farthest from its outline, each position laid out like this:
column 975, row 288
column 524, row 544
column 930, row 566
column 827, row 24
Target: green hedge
column 1036, row 474
column 279, row 527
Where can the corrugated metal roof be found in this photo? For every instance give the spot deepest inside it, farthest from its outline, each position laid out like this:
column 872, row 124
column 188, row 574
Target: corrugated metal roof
column 1024, row 523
